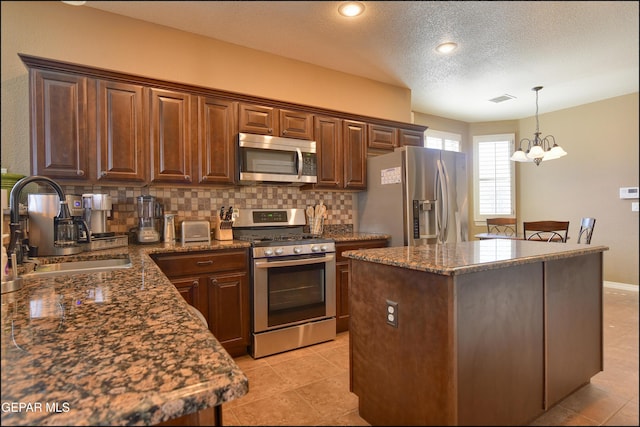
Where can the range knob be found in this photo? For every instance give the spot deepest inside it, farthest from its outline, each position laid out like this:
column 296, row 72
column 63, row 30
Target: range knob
column 324, row 248
column 268, row 252
column 279, row 251
column 297, row 250
column 315, row 248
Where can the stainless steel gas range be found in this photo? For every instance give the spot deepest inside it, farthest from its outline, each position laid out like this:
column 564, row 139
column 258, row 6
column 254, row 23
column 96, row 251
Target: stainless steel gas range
column 293, row 281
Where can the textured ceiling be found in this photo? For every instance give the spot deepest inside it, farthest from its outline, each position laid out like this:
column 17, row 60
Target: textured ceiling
column 580, row 52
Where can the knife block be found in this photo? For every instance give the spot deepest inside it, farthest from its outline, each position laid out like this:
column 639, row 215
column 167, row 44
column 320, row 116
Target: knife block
column 223, row 230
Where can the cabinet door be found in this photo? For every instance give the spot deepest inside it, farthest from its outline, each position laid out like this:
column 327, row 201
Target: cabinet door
column 216, row 152
column 170, row 136
column 410, row 137
column 59, row 125
column 296, row 124
column 188, row 288
column 258, row 119
column 329, row 151
column 228, row 314
column 354, row 140
column 120, row 135
column 342, row 278
column 382, row 137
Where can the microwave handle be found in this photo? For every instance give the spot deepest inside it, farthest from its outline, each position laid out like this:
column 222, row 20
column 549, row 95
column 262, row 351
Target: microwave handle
column 300, row 163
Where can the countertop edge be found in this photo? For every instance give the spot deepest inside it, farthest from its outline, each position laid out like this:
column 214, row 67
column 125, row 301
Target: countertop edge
column 424, row 262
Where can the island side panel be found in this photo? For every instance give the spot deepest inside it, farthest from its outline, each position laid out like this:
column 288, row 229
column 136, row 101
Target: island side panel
column 500, row 345
column 574, row 323
column 403, row 375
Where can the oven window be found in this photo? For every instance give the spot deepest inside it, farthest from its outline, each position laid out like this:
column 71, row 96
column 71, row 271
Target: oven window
column 296, row 293
column 269, row 161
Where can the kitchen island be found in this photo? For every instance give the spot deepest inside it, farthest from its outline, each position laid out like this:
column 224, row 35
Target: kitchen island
column 490, row 332
column 115, row 347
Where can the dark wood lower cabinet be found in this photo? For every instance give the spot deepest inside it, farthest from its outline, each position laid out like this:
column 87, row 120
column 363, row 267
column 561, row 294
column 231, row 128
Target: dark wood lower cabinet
column 217, row 284
column 342, row 277
column 206, row 417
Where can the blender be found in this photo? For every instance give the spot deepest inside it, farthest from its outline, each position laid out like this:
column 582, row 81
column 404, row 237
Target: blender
column 148, row 216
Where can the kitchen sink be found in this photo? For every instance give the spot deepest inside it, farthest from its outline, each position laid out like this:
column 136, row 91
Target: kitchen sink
column 79, row 267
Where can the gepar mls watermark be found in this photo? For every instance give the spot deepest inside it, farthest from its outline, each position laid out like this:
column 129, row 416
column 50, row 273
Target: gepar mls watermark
column 56, row 407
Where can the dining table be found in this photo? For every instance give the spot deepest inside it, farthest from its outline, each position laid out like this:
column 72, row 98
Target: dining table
column 519, row 236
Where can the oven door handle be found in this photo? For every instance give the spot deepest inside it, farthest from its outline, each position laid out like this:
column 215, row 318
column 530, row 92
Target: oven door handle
column 293, row 262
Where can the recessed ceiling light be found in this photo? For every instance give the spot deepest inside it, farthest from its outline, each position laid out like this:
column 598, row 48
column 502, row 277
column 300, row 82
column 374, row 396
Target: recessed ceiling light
column 447, row 47
column 74, row 3
column 351, row 8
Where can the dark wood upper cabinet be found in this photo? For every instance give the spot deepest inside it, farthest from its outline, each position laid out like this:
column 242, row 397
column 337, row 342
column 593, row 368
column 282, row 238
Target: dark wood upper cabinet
column 296, row 124
column 258, row 119
column 382, row 137
column 170, row 136
column 266, row 120
column 97, row 126
column 59, row 125
column 120, row 139
column 354, row 140
column 216, row 148
column 328, row 137
column 410, row 137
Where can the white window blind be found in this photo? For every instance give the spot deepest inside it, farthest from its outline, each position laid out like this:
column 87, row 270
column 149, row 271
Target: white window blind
column 442, row 140
column 494, row 178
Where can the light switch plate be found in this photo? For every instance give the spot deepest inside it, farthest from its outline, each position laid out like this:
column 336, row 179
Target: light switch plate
column 634, row 206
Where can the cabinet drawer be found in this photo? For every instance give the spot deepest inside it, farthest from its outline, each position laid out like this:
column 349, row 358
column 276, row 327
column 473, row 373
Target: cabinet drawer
column 361, row 244
column 201, row 262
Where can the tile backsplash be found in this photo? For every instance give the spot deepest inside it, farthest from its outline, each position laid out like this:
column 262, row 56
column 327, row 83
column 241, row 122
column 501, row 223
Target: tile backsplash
column 204, row 203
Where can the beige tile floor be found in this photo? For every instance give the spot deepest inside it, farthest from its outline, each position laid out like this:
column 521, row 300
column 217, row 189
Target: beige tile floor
column 310, row 386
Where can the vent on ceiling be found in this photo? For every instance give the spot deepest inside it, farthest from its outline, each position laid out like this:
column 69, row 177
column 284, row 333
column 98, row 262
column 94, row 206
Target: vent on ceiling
column 502, row 98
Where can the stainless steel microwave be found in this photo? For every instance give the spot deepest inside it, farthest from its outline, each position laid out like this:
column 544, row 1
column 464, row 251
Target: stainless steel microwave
column 264, row 158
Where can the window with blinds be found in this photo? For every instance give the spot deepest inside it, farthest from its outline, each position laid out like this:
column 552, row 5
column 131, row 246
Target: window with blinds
column 494, row 176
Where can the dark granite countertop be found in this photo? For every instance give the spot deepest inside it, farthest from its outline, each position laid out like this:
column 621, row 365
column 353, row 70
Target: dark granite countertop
column 349, row 236
column 118, row 347
column 467, row 257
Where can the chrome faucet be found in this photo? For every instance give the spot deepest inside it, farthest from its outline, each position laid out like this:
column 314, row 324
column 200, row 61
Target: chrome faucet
column 15, row 244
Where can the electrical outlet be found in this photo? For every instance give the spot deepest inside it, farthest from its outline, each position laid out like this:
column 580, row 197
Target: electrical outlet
column 392, row 313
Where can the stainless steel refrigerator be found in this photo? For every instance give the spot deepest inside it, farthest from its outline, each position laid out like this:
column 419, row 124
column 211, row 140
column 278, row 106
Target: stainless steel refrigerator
column 417, row 195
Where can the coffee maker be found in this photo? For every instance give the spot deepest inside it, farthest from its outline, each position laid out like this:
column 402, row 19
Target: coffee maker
column 97, row 208
column 51, row 234
column 76, row 209
column 149, row 218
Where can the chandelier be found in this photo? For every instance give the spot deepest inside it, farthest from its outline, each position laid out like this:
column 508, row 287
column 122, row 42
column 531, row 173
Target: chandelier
column 538, row 149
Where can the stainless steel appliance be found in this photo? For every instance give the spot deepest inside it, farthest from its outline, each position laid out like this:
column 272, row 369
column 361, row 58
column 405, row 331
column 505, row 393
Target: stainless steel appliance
column 51, row 228
column 417, row 195
column 76, row 209
column 264, row 158
column 97, row 210
column 293, row 288
column 149, row 216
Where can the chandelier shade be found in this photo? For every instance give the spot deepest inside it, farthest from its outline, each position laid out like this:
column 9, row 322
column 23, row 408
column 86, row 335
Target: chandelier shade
column 538, row 149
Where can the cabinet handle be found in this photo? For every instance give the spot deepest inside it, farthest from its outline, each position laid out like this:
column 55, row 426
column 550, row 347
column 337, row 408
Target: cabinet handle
column 284, row 132
column 80, row 172
column 213, row 281
column 195, row 283
column 270, row 130
column 187, row 178
column 103, row 174
column 208, row 262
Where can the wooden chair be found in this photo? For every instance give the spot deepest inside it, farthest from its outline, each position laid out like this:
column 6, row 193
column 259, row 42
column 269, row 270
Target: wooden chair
column 504, row 226
column 547, row 231
column 586, row 229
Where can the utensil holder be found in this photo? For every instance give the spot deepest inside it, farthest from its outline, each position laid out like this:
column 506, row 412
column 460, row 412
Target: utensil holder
column 317, row 225
column 223, row 230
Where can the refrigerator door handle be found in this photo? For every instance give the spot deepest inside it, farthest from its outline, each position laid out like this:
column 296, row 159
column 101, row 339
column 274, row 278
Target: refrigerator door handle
column 445, row 198
column 442, row 182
